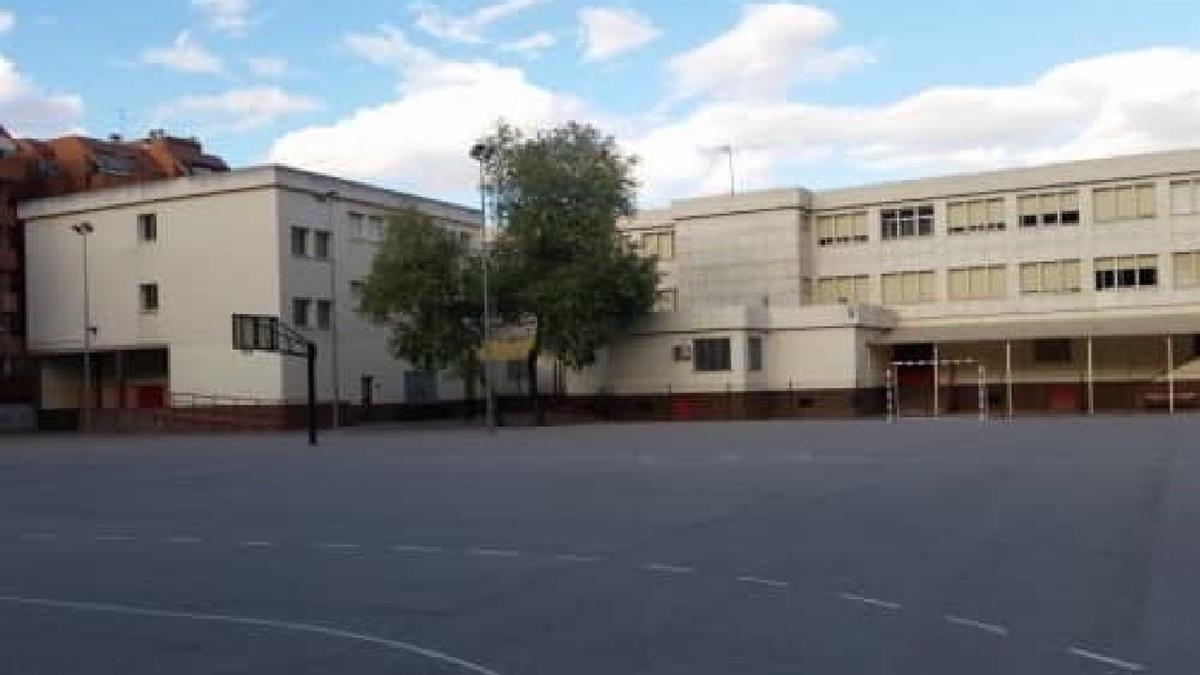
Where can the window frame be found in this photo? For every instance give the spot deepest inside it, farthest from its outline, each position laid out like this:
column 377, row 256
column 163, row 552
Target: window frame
column 322, row 239
column 1125, row 193
column 149, row 297
column 324, row 314
column 147, row 228
column 917, row 219
column 754, row 353
column 910, row 279
column 1114, row 273
column 300, row 318
column 299, row 235
column 828, row 232
column 1190, row 260
column 703, row 350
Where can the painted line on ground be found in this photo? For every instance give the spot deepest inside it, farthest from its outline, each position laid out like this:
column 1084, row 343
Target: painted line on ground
column 183, row 539
column 256, row 544
column 495, row 552
column 39, row 536
column 668, row 569
column 874, row 602
column 1108, row 660
column 772, row 583
column 972, row 623
column 571, row 557
column 278, row 624
column 337, row 546
column 413, row 548
column 113, row 537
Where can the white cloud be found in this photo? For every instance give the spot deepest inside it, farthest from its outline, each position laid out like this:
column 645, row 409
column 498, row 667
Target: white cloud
column 27, row 110
column 531, row 45
column 467, row 29
column 420, row 138
column 7, row 20
column 770, row 49
column 238, row 109
column 607, row 32
column 231, row 17
column 1118, row 103
column 186, row 55
column 267, row 66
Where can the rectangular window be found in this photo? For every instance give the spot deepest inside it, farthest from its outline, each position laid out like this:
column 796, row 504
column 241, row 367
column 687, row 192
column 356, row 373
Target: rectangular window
column 1185, row 197
column 660, row 244
column 1052, row 351
column 979, row 215
column 907, row 288
column 1187, row 269
column 324, row 314
column 977, row 283
column 148, row 298
column 357, row 227
column 1048, row 209
column 1051, row 277
column 299, row 241
column 711, row 354
column 320, row 244
column 754, row 353
column 300, row 312
column 844, row 290
column 842, row 228
column 1126, row 272
column 375, row 228
column 906, row 222
column 665, row 300
column 147, row 224
column 1123, row 202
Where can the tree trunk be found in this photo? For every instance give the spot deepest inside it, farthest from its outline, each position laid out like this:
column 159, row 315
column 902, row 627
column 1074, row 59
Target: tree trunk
column 469, row 392
column 539, row 417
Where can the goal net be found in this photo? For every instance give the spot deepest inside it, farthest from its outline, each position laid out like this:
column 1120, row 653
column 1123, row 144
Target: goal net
column 893, row 388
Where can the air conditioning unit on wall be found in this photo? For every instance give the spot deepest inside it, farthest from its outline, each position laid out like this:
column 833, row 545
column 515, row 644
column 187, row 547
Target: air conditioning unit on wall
column 682, row 351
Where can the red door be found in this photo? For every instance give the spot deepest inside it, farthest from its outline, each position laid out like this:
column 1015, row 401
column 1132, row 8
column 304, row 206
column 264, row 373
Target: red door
column 150, row 395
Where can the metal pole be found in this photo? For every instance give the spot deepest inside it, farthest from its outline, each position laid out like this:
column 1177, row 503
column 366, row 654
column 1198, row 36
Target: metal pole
column 311, row 356
column 888, row 394
column 1091, row 389
column 1008, row 378
column 982, row 393
column 489, row 392
column 86, row 408
column 1170, row 376
column 729, row 152
column 336, row 419
column 937, row 380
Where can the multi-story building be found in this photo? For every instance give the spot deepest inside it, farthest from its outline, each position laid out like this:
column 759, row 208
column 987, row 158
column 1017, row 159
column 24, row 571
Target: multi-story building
column 1076, row 286
column 168, row 264
column 30, row 169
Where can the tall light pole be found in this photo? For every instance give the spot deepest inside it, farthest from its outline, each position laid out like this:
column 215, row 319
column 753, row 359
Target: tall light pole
column 728, row 150
column 482, row 153
column 85, row 408
column 328, row 197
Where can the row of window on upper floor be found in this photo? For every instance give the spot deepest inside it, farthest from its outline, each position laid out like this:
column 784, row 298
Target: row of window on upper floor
column 990, row 282
column 1042, row 209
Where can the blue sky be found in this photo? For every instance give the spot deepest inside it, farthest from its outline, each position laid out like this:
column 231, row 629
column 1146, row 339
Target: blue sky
column 821, row 94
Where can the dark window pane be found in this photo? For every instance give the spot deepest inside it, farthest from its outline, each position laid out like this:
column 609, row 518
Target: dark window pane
column 1070, row 217
column 1050, row 218
column 1147, row 276
column 1126, row 278
column 1029, row 220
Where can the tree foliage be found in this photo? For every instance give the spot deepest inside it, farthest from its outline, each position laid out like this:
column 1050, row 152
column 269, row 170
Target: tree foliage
column 424, row 286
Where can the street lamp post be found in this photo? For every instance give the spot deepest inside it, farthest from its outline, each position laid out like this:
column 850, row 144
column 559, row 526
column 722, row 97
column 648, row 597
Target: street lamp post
column 336, row 420
column 85, row 408
column 482, row 152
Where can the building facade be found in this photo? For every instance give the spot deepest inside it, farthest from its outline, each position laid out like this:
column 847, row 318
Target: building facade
column 168, row 264
column 1075, row 286
column 31, row 169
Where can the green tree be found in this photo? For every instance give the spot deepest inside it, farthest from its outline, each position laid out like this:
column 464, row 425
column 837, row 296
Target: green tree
column 424, row 286
column 559, row 257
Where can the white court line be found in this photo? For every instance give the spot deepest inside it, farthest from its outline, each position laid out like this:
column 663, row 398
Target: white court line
column 496, row 552
column 39, row 536
column 256, row 544
column 876, row 602
column 113, row 537
column 294, row 626
column 413, row 548
column 571, row 557
column 972, row 623
column 773, row 583
column 183, row 539
column 1109, row 660
column 668, row 569
column 338, row 546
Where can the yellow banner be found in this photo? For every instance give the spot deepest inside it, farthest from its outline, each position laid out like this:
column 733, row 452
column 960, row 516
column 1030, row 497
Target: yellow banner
column 514, row 348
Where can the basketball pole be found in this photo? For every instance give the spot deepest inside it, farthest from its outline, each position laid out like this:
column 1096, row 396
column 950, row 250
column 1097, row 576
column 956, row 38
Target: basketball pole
column 311, row 356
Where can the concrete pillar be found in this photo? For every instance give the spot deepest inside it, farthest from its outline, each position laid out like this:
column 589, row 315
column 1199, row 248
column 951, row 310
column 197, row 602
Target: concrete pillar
column 1170, row 376
column 937, row 380
column 1008, row 376
column 1091, row 385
